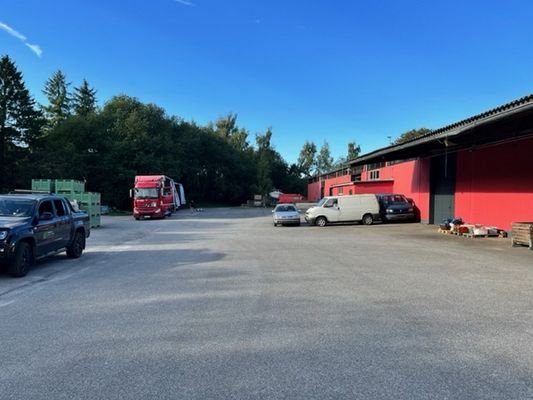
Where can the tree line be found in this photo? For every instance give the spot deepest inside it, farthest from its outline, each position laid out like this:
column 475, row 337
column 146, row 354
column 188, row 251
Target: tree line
column 72, row 137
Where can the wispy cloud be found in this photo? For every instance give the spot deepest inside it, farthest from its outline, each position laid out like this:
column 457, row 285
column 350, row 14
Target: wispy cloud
column 12, row 32
column 185, row 2
column 33, row 47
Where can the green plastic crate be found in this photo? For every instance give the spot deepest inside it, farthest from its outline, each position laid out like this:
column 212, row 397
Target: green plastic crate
column 73, row 196
column 90, row 208
column 91, row 198
column 69, row 186
column 45, row 185
column 94, row 220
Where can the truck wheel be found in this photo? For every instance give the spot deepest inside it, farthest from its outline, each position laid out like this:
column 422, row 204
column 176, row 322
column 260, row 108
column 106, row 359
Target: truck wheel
column 23, row 260
column 368, row 219
column 321, row 221
column 76, row 248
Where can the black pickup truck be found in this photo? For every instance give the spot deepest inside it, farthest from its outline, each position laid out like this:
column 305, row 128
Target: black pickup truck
column 33, row 226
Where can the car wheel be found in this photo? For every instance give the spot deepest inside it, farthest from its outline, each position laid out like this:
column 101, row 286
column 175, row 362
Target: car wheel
column 23, row 260
column 321, row 221
column 368, row 219
column 275, row 224
column 76, row 248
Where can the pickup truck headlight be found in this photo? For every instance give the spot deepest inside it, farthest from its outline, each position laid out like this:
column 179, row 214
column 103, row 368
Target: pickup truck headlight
column 3, row 234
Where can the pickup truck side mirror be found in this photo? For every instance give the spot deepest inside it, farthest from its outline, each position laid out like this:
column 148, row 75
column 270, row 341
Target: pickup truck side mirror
column 46, row 216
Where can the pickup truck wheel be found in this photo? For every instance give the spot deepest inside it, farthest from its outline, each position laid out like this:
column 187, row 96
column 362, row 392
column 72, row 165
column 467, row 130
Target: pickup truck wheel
column 76, row 248
column 23, row 260
column 368, row 219
column 321, row 221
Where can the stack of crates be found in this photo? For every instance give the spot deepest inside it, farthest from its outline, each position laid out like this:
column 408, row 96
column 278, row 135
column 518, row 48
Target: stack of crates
column 90, row 202
column 73, row 190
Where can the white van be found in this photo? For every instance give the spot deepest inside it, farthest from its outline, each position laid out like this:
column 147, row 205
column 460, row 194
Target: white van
column 355, row 208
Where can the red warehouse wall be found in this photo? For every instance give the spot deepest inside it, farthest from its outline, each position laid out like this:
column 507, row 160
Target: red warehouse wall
column 313, row 191
column 495, row 184
column 410, row 178
column 335, row 181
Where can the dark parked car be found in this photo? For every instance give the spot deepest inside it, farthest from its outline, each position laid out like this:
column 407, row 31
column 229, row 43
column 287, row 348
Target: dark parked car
column 33, row 226
column 396, row 207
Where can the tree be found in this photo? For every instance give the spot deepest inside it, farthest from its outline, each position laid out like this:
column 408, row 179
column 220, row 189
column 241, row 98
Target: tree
column 410, row 135
column 59, row 100
column 353, row 150
column 307, row 158
column 19, row 121
column 227, row 128
column 84, row 101
column 264, row 162
column 324, row 160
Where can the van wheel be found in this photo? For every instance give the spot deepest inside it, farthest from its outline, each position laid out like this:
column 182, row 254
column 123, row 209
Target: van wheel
column 321, row 221
column 368, row 219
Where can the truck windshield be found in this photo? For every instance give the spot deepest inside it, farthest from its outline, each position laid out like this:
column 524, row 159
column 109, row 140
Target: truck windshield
column 146, row 193
column 16, row 207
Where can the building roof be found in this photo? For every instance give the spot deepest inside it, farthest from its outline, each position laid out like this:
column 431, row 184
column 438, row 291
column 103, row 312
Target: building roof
column 490, row 126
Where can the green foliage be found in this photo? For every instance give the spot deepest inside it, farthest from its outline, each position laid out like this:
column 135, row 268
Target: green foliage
column 353, row 150
column 307, row 159
column 410, row 135
column 19, row 124
column 84, row 101
column 59, row 99
column 324, row 160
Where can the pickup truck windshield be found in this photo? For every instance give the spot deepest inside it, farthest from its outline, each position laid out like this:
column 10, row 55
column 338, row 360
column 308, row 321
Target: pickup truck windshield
column 16, row 207
column 146, row 193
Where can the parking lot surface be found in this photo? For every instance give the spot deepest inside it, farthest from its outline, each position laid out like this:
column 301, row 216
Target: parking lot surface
column 221, row 304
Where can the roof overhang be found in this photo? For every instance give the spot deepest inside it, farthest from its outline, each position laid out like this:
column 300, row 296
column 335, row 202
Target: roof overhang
column 513, row 121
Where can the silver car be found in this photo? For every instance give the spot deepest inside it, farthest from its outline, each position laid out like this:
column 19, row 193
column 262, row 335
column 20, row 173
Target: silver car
column 286, row 214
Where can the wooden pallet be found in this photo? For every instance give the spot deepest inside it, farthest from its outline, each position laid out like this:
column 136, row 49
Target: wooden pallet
column 522, row 234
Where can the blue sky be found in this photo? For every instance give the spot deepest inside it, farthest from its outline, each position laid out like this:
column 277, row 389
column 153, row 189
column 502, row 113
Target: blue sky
column 316, row 70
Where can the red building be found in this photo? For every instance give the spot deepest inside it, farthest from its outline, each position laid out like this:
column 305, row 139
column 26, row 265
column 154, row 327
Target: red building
column 479, row 169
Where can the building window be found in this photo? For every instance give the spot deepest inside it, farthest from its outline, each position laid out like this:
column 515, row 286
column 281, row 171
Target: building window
column 351, row 192
column 375, row 166
column 340, row 190
column 373, row 175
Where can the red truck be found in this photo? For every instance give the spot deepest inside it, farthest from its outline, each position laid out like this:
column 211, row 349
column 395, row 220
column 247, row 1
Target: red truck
column 156, row 196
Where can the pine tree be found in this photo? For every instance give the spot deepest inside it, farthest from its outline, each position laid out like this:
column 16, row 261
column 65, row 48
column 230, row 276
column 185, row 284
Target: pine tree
column 84, row 101
column 19, row 120
column 59, row 99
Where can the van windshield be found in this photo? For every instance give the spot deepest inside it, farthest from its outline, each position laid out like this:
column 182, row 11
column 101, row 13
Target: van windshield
column 325, row 202
column 321, row 202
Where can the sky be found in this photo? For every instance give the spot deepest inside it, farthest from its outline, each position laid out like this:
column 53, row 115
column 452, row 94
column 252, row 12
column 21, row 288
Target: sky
column 312, row 70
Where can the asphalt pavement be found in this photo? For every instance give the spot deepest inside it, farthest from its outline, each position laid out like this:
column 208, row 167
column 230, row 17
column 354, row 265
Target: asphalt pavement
column 220, row 304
